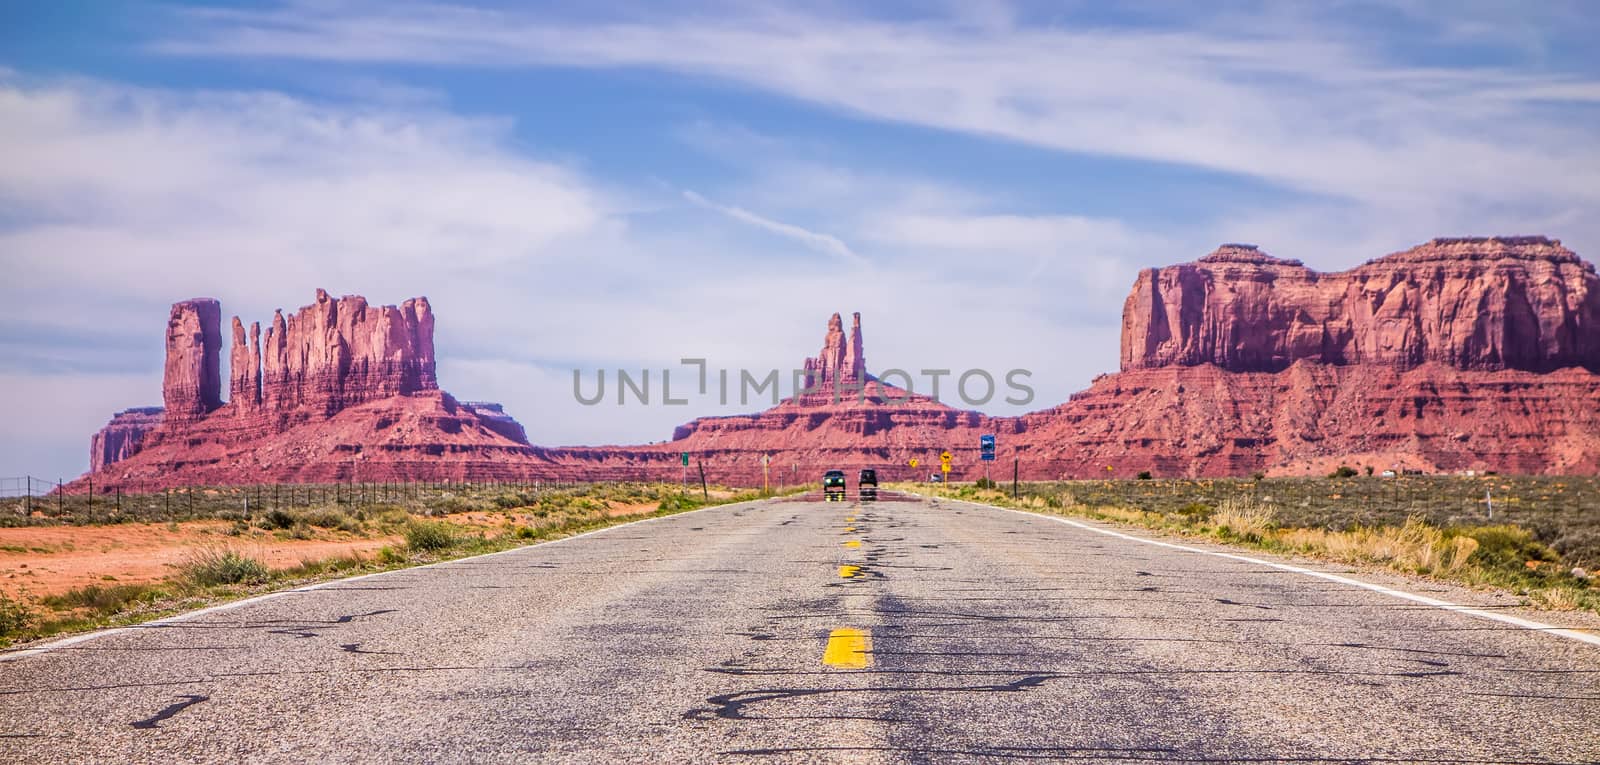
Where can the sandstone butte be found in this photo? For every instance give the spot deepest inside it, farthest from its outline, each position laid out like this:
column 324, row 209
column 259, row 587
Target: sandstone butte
column 1462, row 353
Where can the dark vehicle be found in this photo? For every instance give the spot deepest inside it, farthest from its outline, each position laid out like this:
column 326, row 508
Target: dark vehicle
column 869, row 485
column 833, row 486
column 935, row 478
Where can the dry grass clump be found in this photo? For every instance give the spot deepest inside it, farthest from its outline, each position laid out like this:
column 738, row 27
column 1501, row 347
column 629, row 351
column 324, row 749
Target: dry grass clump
column 210, row 566
column 1244, row 518
column 1124, row 514
column 1413, row 546
column 1555, row 598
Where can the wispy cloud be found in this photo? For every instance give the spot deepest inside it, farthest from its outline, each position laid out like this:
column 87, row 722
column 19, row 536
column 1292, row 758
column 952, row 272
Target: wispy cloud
column 824, row 243
column 1317, row 102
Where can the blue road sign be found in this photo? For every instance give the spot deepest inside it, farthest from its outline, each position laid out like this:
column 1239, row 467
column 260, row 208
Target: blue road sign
column 986, row 445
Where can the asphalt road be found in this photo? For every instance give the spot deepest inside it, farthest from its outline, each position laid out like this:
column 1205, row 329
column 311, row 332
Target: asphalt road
column 742, row 633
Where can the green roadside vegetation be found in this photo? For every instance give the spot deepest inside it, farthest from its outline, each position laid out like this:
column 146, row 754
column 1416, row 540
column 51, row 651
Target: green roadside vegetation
column 501, row 518
column 1541, row 544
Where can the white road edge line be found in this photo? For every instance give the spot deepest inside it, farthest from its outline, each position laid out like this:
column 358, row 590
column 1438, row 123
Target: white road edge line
column 23, row 653
column 1527, row 624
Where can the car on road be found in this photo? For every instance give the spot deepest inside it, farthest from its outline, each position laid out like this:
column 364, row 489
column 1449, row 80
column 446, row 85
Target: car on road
column 833, row 486
column 868, row 485
column 935, row 478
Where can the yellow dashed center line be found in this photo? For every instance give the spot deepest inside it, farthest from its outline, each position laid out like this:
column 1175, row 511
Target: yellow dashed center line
column 848, row 648
column 849, row 528
column 850, row 519
column 853, row 543
column 848, row 571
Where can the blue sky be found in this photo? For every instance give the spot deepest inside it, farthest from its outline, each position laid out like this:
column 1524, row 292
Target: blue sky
column 603, row 185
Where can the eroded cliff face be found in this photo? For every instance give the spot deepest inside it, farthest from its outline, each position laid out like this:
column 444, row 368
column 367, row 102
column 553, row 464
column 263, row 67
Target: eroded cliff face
column 337, row 353
column 123, row 436
column 1469, row 303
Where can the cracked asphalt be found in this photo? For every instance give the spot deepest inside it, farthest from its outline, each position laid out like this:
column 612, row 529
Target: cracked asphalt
column 959, row 633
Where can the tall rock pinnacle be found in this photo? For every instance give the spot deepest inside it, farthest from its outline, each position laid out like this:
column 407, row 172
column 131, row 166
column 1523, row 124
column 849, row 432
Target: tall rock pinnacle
column 842, row 360
column 192, row 384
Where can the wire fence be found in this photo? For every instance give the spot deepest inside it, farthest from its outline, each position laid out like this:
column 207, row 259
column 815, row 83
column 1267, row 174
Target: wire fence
column 28, row 500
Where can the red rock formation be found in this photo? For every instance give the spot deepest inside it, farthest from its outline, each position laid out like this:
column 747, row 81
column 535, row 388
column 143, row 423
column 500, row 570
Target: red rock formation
column 330, row 357
column 123, row 436
column 1480, row 303
column 192, row 385
column 1460, row 353
column 849, row 419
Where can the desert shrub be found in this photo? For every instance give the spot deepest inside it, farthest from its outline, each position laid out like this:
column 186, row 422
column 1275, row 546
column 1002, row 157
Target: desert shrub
column 679, row 502
column 209, row 566
column 1257, row 476
column 1507, row 547
column 1343, row 471
column 451, row 505
column 330, row 518
column 524, row 532
column 389, row 556
column 985, row 483
column 106, row 599
column 1196, row 511
column 1145, row 475
column 314, row 566
column 15, row 615
column 515, row 499
column 429, row 535
column 277, row 519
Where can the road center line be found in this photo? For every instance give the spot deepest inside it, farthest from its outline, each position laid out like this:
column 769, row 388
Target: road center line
column 1445, row 605
column 847, row 571
column 854, row 543
column 848, row 648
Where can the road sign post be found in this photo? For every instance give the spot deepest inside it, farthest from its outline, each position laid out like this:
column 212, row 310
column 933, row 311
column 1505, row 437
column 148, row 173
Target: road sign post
column 944, row 464
column 766, row 459
column 683, row 483
column 986, row 453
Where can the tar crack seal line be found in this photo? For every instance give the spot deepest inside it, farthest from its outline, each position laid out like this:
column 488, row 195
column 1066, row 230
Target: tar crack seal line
column 166, row 714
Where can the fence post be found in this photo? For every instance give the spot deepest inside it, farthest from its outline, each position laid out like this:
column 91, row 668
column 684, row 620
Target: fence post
column 28, row 503
column 61, row 497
